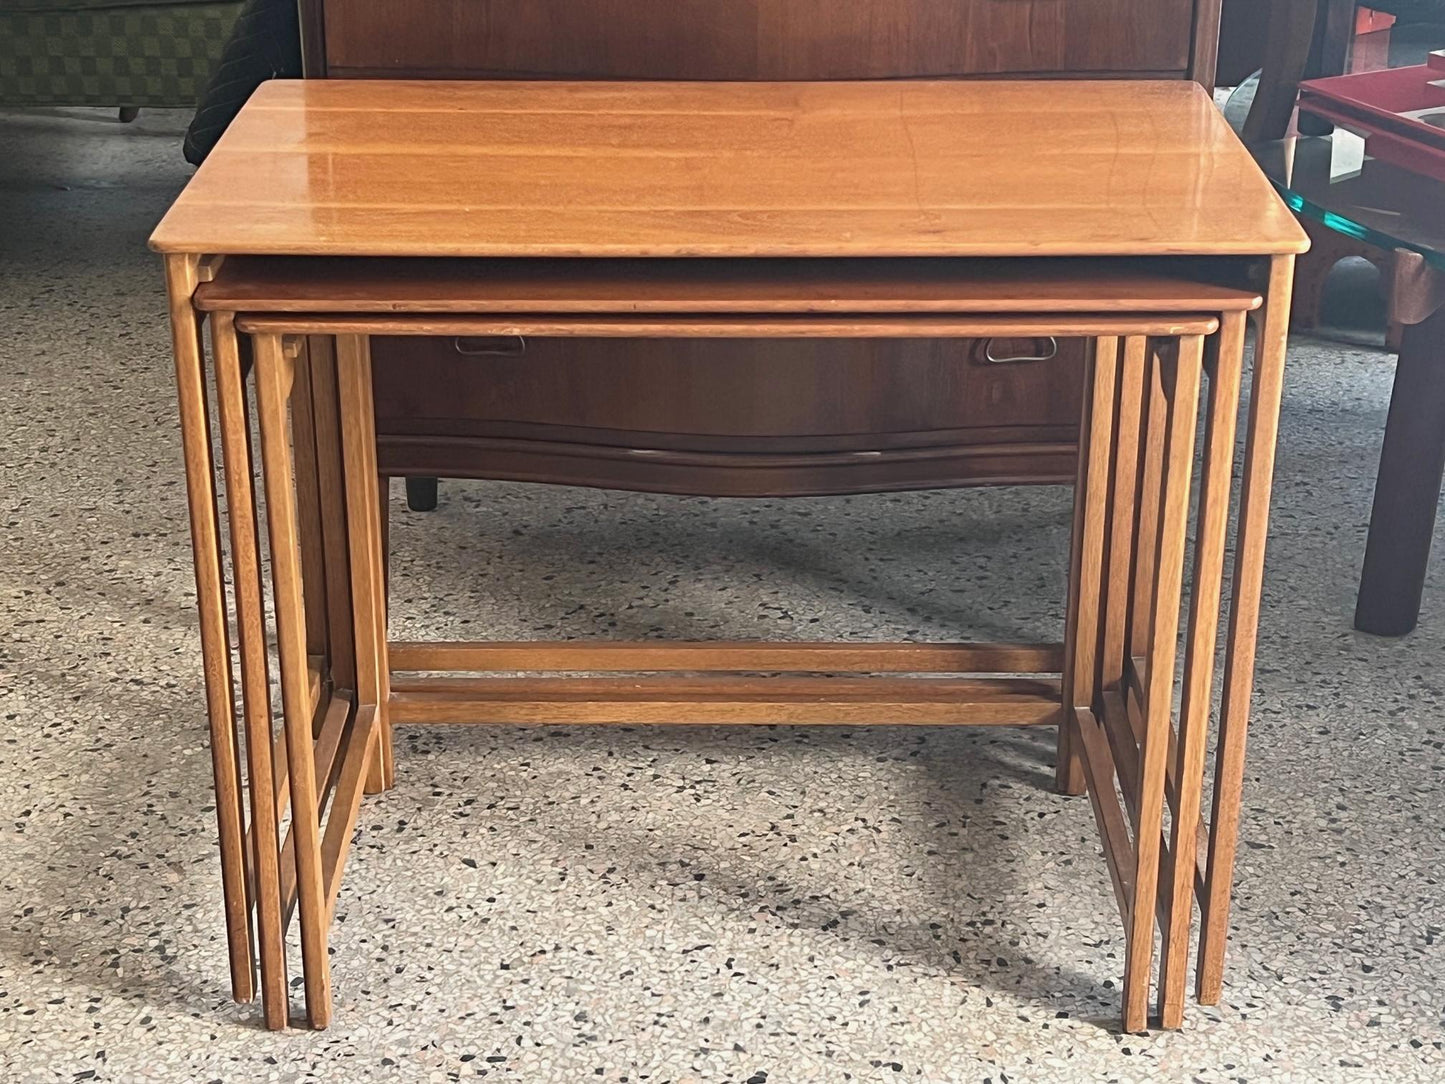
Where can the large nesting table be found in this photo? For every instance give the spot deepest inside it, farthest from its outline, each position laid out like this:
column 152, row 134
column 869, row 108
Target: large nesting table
column 1123, row 213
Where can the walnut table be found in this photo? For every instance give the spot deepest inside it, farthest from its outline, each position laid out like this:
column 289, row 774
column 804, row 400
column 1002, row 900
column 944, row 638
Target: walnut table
column 1126, row 214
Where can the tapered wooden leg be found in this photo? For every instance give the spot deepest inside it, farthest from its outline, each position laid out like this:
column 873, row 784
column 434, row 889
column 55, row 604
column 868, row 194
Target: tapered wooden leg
column 273, row 387
column 383, row 485
column 1215, row 486
column 326, row 430
column 1180, row 379
column 1099, row 725
column 1267, row 390
column 308, row 508
column 1123, row 506
column 1146, row 533
column 358, row 433
column 1091, row 503
column 182, row 276
column 255, row 682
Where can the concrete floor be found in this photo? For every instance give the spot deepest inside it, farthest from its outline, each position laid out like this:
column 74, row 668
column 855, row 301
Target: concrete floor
column 669, row 904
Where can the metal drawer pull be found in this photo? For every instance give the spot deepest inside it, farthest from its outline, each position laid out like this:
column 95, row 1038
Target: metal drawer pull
column 993, row 359
column 474, row 346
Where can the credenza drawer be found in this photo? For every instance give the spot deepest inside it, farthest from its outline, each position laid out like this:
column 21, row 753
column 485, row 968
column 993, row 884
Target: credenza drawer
column 801, row 390
column 730, row 417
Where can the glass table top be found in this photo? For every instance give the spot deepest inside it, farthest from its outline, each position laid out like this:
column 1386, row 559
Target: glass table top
column 1332, row 180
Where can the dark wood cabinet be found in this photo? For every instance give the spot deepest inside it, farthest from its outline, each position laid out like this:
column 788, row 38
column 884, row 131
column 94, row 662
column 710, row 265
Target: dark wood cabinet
column 756, row 39
column 732, row 417
column 743, row 417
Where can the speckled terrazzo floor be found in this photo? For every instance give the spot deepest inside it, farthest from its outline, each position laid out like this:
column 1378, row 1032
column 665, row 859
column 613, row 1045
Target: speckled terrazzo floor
column 659, row 905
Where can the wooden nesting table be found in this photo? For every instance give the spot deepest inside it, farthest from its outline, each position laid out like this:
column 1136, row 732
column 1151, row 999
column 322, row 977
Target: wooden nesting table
column 1123, row 213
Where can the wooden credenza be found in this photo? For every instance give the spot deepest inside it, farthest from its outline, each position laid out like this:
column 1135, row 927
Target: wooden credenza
column 743, row 417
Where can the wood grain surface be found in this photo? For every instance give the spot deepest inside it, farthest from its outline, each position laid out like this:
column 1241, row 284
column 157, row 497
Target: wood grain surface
column 928, row 168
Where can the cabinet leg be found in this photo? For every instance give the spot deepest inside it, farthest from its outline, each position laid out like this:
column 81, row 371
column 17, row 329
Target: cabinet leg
column 421, row 494
column 1407, row 490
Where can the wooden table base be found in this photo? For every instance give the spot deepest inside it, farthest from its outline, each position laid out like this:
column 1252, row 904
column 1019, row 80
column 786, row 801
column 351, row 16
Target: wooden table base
column 1109, row 687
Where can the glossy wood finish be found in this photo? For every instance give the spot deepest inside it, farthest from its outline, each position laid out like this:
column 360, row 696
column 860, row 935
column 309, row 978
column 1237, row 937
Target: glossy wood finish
column 707, row 169
column 972, row 459
column 1154, row 407
column 361, row 758
column 849, row 395
column 1104, row 754
column 760, row 39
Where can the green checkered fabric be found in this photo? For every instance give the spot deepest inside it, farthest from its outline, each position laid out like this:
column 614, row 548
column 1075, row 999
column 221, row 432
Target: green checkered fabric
column 9, row 7
column 157, row 55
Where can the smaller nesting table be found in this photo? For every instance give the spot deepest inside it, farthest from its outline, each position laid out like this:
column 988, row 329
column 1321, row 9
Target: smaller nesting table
column 327, row 216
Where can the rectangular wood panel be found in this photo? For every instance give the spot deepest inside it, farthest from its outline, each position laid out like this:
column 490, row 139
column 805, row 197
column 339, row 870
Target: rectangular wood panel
column 731, row 389
column 755, row 39
column 1123, row 35
column 879, row 168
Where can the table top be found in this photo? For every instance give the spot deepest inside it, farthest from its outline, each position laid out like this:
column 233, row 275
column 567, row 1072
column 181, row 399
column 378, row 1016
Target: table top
column 610, row 169
column 1331, row 179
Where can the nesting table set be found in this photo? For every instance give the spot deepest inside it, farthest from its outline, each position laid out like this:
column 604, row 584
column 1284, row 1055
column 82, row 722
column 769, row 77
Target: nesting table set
column 1126, row 214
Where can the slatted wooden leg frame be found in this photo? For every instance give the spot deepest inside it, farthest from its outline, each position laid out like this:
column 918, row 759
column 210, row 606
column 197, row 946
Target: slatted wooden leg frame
column 1120, row 517
column 717, row 688
column 183, row 274
column 1086, row 561
column 1266, row 392
column 1186, row 767
column 1154, row 876
column 1114, row 674
column 365, row 529
column 259, row 875
column 266, row 761
column 327, row 746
